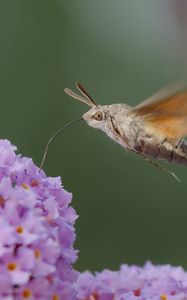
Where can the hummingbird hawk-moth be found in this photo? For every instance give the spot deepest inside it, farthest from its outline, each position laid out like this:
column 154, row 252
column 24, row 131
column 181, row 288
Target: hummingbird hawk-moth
column 153, row 129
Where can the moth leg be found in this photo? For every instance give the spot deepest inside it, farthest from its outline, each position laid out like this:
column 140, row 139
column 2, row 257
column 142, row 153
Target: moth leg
column 119, row 133
column 159, row 166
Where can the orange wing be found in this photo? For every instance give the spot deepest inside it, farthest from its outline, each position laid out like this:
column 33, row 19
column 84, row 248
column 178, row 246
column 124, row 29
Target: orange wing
column 164, row 118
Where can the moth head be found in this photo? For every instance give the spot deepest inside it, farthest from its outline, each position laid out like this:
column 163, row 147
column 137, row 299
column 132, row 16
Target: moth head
column 96, row 115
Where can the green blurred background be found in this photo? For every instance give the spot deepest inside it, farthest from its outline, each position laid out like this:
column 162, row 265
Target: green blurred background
column 122, row 51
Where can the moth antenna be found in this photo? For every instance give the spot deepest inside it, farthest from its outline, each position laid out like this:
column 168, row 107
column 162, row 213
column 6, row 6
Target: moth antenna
column 86, row 99
column 161, row 167
column 76, row 96
column 53, row 136
column 84, row 92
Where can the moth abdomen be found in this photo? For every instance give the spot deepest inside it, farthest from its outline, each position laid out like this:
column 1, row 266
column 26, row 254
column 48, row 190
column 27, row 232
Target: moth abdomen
column 164, row 151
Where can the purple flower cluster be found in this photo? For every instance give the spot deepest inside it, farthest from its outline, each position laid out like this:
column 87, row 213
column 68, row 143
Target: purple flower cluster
column 134, row 283
column 36, row 232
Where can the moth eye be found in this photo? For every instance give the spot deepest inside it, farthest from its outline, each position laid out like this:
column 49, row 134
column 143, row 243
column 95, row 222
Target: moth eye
column 98, row 116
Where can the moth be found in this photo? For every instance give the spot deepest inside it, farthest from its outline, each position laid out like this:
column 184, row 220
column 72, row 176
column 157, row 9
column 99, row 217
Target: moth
column 153, row 129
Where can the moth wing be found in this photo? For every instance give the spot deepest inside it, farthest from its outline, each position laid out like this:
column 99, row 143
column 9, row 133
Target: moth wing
column 164, row 115
column 162, row 94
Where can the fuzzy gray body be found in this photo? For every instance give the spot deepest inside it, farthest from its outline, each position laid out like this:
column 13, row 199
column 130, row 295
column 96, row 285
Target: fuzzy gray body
column 128, row 130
